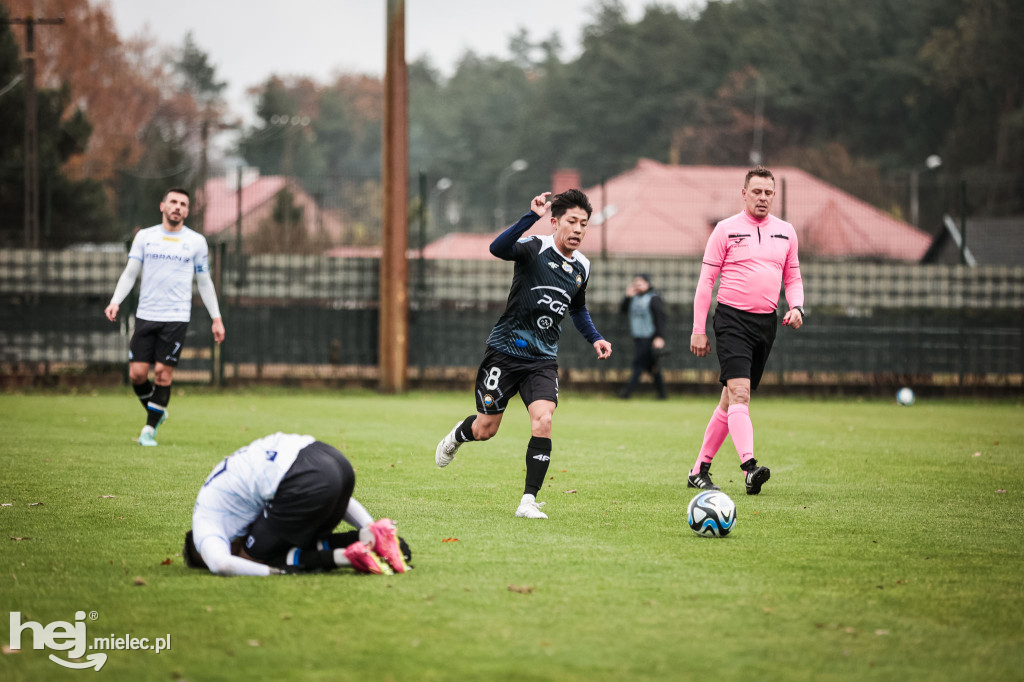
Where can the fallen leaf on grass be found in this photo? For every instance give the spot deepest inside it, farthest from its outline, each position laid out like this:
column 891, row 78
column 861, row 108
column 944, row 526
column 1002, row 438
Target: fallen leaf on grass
column 568, row 492
column 14, row 538
column 35, row 504
column 6, row 504
column 521, row 589
column 103, row 497
column 167, row 562
column 1001, row 490
column 139, row 580
column 253, row 642
column 450, row 540
column 8, row 650
column 977, row 454
column 881, row 632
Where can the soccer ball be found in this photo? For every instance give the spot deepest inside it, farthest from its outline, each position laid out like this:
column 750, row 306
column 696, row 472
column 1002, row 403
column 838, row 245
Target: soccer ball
column 905, row 396
column 711, row 514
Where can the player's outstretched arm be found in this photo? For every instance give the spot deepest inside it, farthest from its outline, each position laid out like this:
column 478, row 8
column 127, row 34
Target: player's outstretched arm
column 217, row 555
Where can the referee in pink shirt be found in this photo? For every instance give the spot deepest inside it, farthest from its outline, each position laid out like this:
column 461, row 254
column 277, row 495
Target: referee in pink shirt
column 755, row 253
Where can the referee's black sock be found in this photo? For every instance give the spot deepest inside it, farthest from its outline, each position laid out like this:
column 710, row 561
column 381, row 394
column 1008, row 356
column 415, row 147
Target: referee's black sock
column 157, row 404
column 144, row 392
column 538, row 456
column 464, row 434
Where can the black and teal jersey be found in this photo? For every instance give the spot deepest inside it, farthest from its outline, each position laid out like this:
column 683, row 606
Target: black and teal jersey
column 545, row 286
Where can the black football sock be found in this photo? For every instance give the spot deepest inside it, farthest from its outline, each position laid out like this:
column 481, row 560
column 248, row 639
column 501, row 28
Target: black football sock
column 157, row 405
column 144, row 392
column 338, row 540
column 464, row 434
column 538, row 456
column 308, row 560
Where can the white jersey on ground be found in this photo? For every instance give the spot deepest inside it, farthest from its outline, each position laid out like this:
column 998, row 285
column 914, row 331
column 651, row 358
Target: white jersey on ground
column 169, row 262
column 237, row 490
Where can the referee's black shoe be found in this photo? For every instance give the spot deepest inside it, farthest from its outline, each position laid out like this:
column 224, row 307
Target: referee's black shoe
column 702, row 479
column 756, row 477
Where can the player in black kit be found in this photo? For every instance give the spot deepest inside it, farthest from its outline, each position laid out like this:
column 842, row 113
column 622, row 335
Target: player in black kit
column 550, row 280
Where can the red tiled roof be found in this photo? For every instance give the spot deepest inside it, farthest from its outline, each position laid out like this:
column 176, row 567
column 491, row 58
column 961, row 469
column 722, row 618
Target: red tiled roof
column 222, row 201
column 258, row 198
column 660, row 210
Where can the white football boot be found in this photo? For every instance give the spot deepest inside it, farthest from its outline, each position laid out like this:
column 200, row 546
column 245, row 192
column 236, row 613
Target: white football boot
column 446, row 449
column 529, row 508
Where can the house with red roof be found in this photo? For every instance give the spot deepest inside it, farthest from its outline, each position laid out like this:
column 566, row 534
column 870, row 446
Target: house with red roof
column 255, row 201
column 660, row 210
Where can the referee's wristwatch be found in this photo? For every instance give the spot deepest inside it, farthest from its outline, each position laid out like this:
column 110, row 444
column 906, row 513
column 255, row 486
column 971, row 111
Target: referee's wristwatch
column 801, row 309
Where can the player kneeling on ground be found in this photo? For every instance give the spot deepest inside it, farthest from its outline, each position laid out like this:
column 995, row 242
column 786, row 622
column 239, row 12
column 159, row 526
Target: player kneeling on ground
column 272, row 506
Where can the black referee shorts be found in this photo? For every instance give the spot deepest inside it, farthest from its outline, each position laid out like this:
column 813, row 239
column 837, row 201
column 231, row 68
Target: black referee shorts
column 744, row 341
column 310, row 502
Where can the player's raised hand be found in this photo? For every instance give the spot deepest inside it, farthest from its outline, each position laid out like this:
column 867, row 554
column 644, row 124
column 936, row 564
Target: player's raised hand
column 603, row 348
column 540, row 204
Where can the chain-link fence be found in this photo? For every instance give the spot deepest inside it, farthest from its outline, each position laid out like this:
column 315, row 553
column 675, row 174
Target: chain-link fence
column 295, row 263
column 295, row 317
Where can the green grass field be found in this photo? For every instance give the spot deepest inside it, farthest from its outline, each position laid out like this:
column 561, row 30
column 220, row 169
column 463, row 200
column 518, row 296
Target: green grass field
column 883, row 548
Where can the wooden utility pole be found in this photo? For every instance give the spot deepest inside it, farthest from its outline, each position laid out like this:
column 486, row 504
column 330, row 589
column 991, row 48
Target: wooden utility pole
column 393, row 344
column 32, row 129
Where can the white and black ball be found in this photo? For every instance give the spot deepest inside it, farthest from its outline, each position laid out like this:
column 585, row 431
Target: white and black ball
column 905, row 396
column 711, row 513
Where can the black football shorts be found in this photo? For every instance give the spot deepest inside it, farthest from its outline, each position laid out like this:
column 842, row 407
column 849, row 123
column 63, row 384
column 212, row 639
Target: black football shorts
column 157, row 342
column 501, row 376
column 310, row 502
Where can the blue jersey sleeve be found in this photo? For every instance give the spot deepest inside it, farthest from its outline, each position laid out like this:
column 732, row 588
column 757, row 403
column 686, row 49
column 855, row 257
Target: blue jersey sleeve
column 503, row 245
column 585, row 325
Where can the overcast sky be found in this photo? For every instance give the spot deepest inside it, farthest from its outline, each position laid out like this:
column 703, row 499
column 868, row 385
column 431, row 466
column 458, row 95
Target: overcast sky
column 247, row 40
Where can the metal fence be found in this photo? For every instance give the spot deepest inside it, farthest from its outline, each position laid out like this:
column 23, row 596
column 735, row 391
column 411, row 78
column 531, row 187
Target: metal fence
column 293, row 318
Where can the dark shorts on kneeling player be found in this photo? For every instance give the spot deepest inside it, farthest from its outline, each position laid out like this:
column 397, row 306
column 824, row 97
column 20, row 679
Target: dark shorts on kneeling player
column 501, row 376
column 310, row 502
column 157, row 342
column 743, row 342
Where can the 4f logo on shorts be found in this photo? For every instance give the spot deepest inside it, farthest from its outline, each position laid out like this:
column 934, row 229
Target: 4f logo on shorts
column 542, row 458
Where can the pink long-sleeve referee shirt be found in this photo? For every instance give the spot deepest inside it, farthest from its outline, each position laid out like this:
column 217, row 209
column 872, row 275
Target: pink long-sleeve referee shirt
column 755, row 258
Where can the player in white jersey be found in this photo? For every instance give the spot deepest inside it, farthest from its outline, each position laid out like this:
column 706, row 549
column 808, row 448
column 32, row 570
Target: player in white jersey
column 272, row 507
column 169, row 255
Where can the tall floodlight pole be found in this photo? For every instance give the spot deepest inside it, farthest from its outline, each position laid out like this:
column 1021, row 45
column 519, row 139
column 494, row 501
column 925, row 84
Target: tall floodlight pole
column 393, row 344
column 32, row 130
